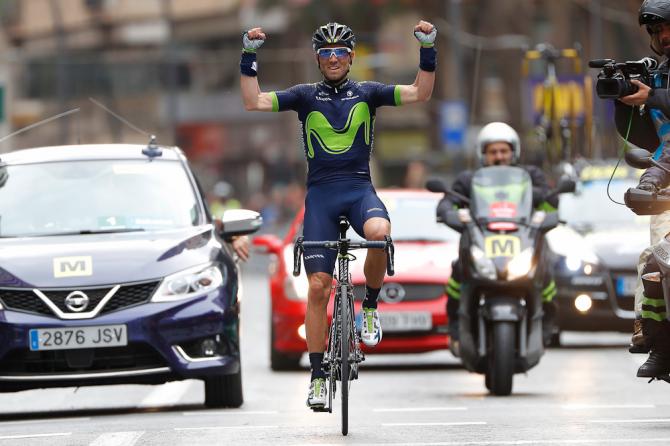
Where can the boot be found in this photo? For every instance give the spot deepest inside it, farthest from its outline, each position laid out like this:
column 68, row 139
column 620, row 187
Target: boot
column 659, row 359
column 657, row 364
column 639, row 343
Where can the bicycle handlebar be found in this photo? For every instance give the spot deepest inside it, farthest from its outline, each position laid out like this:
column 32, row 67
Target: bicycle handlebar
column 386, row 245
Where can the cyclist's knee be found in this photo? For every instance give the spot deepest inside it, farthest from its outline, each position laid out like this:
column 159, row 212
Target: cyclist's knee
column 319, row 288
column 377, row 228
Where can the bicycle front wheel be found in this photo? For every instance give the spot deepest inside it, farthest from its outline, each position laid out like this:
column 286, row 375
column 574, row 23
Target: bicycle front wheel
column 344, row 356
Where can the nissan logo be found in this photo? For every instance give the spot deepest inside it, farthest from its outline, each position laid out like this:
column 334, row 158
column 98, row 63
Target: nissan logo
column 392, row 293
column 76, row 301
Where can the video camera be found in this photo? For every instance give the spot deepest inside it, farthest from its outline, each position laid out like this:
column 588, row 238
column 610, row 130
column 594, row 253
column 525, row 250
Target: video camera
column 614, row 79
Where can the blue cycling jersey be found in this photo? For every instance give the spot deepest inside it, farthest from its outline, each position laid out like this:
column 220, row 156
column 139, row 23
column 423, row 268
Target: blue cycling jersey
column 337, row 125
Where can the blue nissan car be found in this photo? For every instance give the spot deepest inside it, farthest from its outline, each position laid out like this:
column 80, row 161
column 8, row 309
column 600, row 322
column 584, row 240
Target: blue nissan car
column 112, row 271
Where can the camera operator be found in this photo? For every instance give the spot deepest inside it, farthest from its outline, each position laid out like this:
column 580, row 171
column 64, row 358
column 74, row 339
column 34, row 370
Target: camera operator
column 649, row 128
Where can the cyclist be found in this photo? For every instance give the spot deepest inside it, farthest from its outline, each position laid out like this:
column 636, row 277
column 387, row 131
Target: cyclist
column 651, row 330
column 498, row 144
column 337, row 117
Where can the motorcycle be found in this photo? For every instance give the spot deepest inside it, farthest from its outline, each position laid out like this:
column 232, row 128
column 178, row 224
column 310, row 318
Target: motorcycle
column 500, row 313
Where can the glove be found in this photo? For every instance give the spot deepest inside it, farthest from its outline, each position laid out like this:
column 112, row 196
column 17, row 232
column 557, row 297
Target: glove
column 251, row 45
column 649, row 187
column 426, row 40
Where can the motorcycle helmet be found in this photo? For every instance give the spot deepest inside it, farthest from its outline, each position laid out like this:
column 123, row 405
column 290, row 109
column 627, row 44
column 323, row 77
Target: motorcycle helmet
column 498, row 132
column 333, row 33
column 652, row 12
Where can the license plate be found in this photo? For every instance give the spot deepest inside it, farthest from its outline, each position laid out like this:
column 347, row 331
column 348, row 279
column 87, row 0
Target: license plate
column 78, row 337
column 625, row 285
column 405, row 321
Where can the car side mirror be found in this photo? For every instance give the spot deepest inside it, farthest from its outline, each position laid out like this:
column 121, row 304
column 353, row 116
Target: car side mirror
column 550, row 221
column 238, row 222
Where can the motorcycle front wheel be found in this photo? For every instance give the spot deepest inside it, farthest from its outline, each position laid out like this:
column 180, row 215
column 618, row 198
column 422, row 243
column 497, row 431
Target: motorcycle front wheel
column 500, row 373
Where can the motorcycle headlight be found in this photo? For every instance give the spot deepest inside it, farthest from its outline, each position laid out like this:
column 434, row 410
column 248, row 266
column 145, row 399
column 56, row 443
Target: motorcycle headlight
column 520, row 265
column 189, row 283
column 483, row 264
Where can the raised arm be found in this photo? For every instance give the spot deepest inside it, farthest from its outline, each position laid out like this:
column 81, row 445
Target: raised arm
column 422, row 88
column 252, row 96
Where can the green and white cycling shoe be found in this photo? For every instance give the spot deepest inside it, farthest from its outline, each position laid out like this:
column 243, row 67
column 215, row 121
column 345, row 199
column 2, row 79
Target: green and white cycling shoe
column 371, row 331
column 316, row 398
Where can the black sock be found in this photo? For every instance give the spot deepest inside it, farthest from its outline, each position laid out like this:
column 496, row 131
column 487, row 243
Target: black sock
column 315, row 360
column 371, row 295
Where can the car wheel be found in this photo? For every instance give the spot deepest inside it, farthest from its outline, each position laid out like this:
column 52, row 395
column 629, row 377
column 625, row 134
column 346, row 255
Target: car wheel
column 281, row 361
column 224, row 390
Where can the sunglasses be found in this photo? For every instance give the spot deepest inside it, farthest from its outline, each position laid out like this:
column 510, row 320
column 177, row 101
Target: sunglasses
column 339, row 52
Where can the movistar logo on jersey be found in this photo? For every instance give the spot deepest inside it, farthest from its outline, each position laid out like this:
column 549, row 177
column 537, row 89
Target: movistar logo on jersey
column 337, row 141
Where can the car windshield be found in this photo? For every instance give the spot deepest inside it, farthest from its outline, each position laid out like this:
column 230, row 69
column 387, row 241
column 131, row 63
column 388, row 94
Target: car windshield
column 590, row 207
column 413, row 219
column 79, row 197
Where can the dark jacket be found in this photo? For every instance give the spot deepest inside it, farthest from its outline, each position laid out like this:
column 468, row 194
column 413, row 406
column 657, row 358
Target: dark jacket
column 463, row 183
column 641, row 131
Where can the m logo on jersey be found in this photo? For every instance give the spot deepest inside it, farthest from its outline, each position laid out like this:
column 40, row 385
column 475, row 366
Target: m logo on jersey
column 337, row 141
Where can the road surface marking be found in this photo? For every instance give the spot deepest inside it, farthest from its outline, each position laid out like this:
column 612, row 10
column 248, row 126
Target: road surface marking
column 607, row 406
column 420, row 409
column 455, row 423
column 167, row 394
column 648, row 420
column 521, row 442
column 230, row 412
column 50, row 420
column 55, row 434
column 223, row 427
column 117, row 439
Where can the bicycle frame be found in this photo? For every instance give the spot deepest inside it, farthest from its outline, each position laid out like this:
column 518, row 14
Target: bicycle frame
column 343, row 353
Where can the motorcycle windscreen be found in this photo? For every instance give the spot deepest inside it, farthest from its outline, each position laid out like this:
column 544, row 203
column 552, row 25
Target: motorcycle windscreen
column 501, row 193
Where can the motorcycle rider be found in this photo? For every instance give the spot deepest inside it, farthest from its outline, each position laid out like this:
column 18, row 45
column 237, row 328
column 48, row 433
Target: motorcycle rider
column 498, row 144
column 649, row 130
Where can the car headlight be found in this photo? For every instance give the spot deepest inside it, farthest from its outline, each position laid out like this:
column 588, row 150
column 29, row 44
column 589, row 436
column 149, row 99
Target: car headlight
column 189, row 283
column 483, row 264
column 295, row 288
column 520, row 265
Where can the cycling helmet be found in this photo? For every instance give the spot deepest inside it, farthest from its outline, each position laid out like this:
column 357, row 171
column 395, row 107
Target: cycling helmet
column 498, row 132
column 333, row 33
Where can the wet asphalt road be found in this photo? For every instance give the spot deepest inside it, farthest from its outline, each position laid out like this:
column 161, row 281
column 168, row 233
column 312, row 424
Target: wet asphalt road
column 582, row 393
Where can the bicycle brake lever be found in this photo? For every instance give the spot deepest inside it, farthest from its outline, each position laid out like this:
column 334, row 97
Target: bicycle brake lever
column 390, row 252
column 297, row 252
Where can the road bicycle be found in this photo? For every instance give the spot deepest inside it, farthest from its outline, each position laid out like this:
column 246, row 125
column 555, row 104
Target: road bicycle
column 558, row 105
column 343, row 353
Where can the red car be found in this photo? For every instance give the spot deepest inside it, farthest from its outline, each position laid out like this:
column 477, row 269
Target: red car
column 412, row 303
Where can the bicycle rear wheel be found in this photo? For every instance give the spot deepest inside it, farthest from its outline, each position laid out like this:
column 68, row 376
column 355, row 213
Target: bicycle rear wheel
column 344, row 356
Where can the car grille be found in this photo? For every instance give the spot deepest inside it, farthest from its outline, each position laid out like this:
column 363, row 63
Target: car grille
column 413, row 292
column 126, row 296
column 132, row 356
